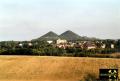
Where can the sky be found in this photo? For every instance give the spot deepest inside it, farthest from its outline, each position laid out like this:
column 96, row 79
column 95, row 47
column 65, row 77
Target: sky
column 30, row 19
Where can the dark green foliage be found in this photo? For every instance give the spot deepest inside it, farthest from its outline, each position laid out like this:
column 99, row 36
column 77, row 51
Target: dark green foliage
column 70, row 50
column 2, row 50
column 17, row 51
column 50, row 51
column 108, row 51
column 8, row 44
column 61, row 51
column 39, row 52
column 117, row 45
column 42, row 48
column 85, row 53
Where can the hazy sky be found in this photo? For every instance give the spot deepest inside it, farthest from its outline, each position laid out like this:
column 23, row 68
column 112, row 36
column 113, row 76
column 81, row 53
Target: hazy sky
column 29, row 19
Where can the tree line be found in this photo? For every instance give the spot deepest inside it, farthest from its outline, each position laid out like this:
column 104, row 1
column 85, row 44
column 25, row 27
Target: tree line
column 43, row 48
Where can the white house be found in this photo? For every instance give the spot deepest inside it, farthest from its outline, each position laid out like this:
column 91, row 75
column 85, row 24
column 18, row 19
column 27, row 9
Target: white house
column 61, row 41
column 91, row 47
column 29, row 44
column 112, row 45
column 50, row 41
column 21, row 45
column 103, row 46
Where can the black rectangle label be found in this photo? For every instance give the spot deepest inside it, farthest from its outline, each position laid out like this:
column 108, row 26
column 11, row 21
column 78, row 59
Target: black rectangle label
column 108, row 73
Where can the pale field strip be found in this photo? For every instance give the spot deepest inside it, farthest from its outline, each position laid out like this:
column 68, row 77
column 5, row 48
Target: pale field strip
column 44, row 68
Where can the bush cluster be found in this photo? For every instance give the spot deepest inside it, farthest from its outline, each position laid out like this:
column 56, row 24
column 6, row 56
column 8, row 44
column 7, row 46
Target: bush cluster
column 42, row 48
column 53, row 51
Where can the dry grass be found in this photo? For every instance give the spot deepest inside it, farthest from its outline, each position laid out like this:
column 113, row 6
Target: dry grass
column 37, row 68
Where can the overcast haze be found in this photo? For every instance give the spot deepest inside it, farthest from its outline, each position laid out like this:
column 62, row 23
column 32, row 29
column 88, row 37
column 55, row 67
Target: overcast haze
column 29, row 19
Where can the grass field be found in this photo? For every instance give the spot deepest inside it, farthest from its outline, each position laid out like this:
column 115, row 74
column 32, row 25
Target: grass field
column 43, row 68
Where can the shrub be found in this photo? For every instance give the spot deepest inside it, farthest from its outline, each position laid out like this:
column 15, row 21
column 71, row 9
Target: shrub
column 2, row 51
column 90, row 77
column 18, row 51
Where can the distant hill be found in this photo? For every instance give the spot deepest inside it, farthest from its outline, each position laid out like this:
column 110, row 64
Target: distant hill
column 69, row 35
column 89, row 38
column 49, row 36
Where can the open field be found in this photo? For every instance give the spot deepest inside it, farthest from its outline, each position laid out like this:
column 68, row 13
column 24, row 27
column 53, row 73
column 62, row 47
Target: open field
column 43, row 68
